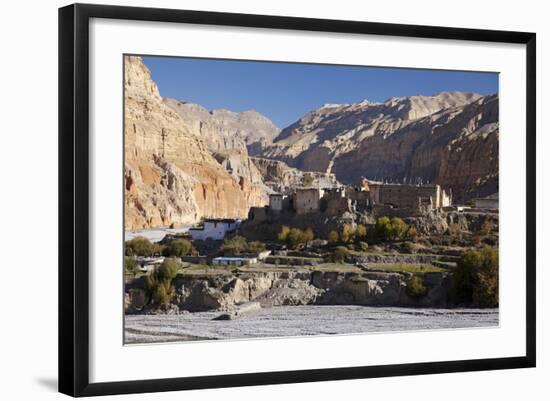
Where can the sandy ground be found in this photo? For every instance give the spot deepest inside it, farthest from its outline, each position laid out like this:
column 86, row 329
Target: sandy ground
column 301, row 321
column 154, row 235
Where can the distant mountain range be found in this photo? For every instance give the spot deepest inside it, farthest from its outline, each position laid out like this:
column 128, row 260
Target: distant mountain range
column 184, row 162
column 450, row 139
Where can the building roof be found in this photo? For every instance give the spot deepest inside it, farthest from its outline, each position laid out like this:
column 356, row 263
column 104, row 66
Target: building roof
column 220, row 220
column 229, row 258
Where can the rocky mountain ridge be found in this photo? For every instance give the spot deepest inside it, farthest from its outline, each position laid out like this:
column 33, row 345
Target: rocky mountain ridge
column 450, row 139
column 224, row 129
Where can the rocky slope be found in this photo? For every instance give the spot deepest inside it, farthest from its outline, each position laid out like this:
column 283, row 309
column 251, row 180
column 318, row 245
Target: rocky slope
column 279, row 176
column 225, row 291
column 229, row 136
column 171, row 177
column 223, row 129
column 450, row 139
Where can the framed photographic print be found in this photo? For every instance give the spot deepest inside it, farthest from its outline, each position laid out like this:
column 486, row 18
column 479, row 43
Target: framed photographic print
column 239, row 192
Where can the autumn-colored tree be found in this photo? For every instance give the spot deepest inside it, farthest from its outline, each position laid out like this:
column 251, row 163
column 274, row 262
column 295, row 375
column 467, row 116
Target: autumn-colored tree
column 333, row 237
column 360, row 232
column 283, row 233
column 347, row 233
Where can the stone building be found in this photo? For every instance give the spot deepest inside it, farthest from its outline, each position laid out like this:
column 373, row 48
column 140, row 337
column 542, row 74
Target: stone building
column 306, row 200
column 279, row 202
column 335, row 202
column 407, row 199
column 378, row 198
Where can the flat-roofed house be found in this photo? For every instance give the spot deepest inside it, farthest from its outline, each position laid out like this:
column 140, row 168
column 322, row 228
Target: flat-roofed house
column 214, row 229
column 234, row 260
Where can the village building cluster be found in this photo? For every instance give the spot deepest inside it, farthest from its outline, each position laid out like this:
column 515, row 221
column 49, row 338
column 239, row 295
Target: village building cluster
column 370, row 196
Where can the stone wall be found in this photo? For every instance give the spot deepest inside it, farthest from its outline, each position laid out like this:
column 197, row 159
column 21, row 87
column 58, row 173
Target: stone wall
column 306, row 200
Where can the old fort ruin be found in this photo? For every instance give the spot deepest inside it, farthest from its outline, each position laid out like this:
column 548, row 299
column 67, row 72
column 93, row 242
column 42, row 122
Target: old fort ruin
column 376, row 198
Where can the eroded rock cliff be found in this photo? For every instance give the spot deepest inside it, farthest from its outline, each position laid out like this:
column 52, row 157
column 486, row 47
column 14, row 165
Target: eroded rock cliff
column 171, row 177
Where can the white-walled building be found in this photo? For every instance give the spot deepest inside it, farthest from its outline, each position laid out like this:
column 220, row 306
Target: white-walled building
column 215, row 229
column 234, row 261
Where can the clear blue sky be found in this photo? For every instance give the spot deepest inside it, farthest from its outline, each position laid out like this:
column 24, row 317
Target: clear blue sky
column 284, row 92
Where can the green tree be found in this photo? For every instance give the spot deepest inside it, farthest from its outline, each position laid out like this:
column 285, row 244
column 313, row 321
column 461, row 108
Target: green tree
column 391, row 229
column 169, row 269
column 140, row 246
column 398, row 228
column 179, row 248
column 476, row 277
column 364, row 246
column 333, row 237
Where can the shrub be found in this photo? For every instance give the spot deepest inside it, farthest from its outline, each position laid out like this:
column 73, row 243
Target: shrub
column 339, row 254
column 255, row 247
column 160, row 291
column 238, row 245
column 159, row 284
column 416, row 288
column 364, row 246
column 130, row 265
column 307, row 179
column 410, row 247
column 412, row 234
column 234, row 246
column 476, row 277
column 333, row 237
column 179, row 248
column 140, row 246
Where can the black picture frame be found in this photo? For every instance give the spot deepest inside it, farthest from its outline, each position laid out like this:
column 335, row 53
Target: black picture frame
column 74, row 198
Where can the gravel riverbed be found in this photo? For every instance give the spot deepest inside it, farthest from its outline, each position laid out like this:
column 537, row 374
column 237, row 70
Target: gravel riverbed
column 307, row 320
